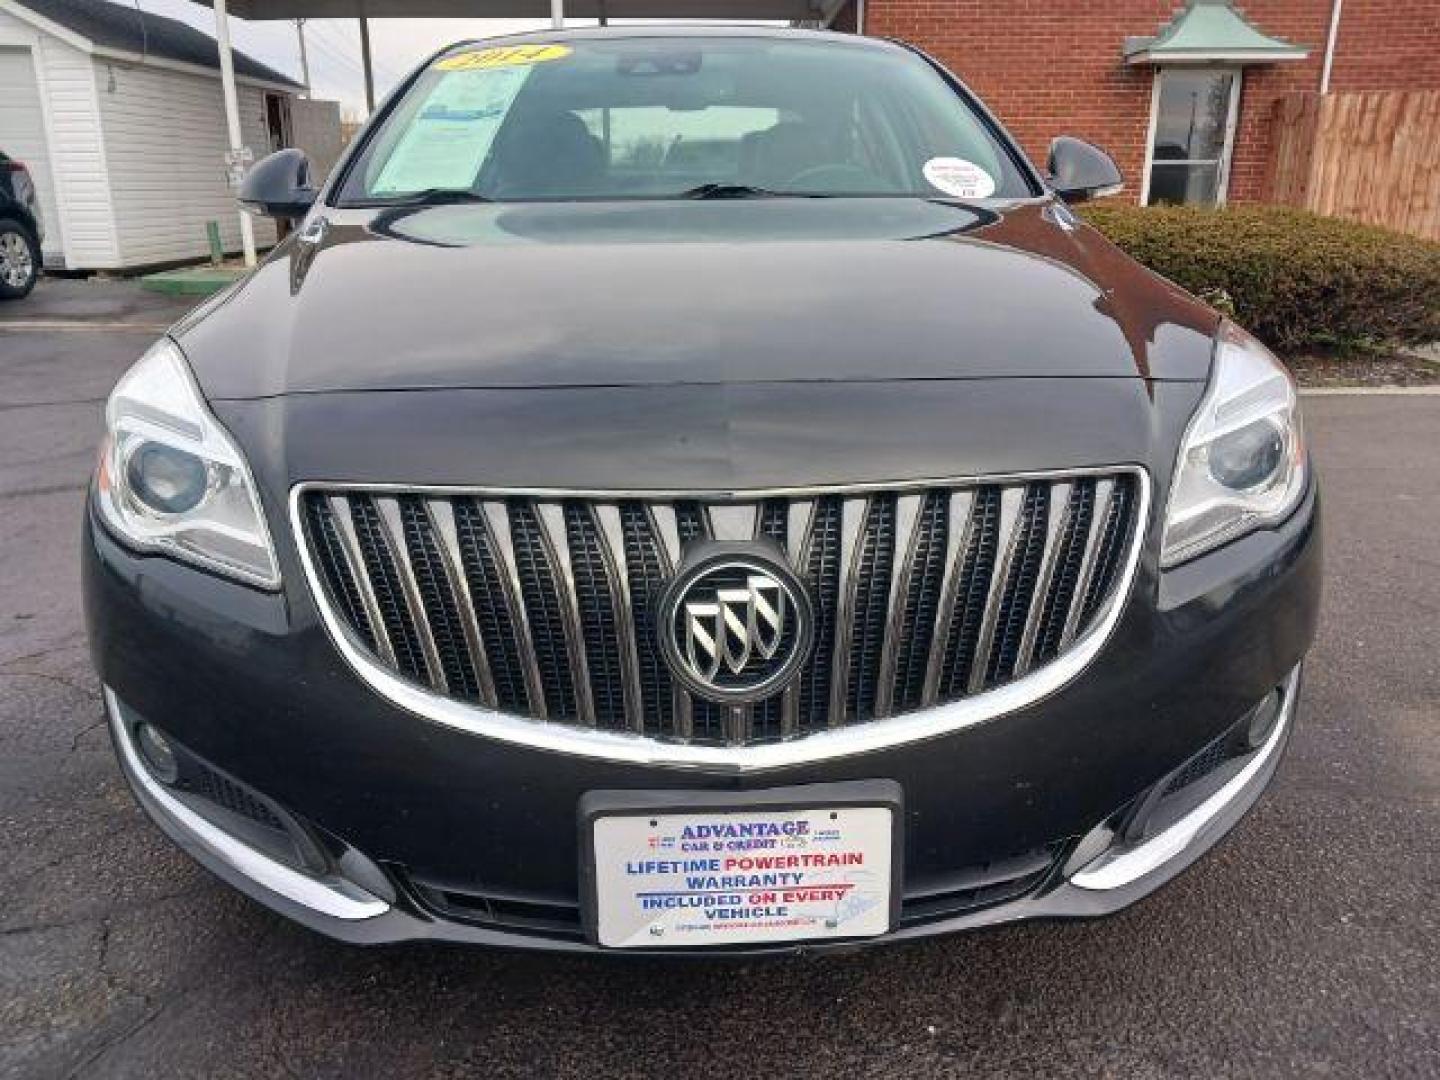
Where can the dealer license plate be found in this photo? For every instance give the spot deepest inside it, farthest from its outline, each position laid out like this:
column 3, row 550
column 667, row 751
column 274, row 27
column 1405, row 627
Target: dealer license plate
column 742, row 877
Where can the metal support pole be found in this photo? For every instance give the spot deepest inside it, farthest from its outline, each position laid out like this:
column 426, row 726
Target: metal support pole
column 366, row 64
column 232, row 117
column 557, row 14
column 1330, row 39
column 304, row 57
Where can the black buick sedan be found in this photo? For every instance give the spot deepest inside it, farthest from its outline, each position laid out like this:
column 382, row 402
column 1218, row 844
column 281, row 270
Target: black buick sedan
column 685, row 490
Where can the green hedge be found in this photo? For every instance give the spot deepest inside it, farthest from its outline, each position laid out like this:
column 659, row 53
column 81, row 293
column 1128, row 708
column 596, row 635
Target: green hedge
column 1294, row 279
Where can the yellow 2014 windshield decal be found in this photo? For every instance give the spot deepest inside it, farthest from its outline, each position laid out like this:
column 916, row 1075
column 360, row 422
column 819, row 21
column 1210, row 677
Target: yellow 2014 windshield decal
column 508, row 56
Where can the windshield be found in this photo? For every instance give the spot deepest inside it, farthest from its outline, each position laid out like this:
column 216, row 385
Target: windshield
column 696, row 117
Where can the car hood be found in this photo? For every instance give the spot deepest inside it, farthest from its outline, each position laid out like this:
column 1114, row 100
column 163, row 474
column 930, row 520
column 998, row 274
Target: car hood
column 692, row 293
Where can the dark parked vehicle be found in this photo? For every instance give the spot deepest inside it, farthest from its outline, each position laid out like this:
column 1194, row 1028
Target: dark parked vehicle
column 572, row 541
column 21, row 230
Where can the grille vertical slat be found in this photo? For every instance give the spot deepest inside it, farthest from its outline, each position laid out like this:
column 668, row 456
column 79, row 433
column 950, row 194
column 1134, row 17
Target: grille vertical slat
column 733, row 521
column 549, row 608
column 874, row 563
column 1109, row 557
column 1058, row 510
column 907, row 520
column 918, row 604
column 393, row 525
column 971, row 589
column 647, row 567
column 544, row 611
column 556, row 547
column 440, row 608
column 853, row 513
column 1021, row 578
column 800, row 518
column 768, row 718
column 822, row 569
column 690, row 521
column 594, row 584
column 624, row 613
column 339, row 572
column 705, row 719
column 959, row 518
column 774, row 523
column 1099, row 514
column 1009, row 537
column 379, row 562
column 442, row 518
column 1066, row 575
column 503, row 635
column 343, row 516
column 495, row 517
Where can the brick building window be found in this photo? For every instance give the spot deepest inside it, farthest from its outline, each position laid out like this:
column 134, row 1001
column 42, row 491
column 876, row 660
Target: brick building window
column 1192, row 133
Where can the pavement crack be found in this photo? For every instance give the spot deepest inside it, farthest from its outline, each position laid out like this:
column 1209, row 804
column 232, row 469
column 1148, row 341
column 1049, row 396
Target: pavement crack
column 74, row 642
column 154, row 1008
column 122, row 909
column 87, row 852
column 62, row 680
column 118, row 1039
column 75, row 739
column 52, row 489
column 116, row 984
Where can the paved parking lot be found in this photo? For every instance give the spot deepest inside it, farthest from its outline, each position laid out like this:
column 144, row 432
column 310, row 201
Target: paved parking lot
column 1308, row 944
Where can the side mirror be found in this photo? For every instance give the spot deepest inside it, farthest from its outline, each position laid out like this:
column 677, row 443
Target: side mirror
column 1079, row 171
column 279, row 186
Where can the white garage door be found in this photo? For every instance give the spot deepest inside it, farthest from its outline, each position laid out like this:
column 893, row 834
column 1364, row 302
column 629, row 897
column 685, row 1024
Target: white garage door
column 22, row 133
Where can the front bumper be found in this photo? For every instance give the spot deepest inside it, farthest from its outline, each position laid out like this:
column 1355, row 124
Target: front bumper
column 409, row 811
column 333, row 904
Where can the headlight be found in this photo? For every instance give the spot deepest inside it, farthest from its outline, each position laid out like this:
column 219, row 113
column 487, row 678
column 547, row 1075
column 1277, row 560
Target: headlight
column 171, row 480
column 1242, row 464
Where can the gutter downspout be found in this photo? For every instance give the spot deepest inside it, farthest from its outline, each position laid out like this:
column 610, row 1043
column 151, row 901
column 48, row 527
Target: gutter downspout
column 1330, row 40
column 859, row 17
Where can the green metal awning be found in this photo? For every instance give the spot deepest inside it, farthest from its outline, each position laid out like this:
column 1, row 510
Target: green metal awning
column 1210, row 31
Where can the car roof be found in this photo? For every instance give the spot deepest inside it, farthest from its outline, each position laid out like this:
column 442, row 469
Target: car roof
column 698, row 31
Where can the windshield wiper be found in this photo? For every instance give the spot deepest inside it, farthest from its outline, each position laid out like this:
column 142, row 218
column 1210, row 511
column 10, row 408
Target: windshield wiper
column 436, row 196
column 729, row 191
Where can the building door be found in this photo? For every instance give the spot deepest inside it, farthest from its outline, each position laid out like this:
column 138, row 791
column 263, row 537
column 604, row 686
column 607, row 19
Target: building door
column 1192, row 133
column 22, row 136
column 277, row 121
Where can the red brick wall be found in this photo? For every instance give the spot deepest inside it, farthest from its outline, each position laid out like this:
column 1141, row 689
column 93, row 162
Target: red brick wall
column 1053, row 67
column 1388, row 45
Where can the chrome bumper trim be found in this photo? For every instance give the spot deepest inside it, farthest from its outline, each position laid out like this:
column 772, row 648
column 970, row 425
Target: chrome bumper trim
column 1119, row 867
column 335, row 897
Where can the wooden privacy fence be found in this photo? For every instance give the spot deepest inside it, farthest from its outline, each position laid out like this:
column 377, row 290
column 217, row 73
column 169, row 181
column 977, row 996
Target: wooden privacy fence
column 1371, row 157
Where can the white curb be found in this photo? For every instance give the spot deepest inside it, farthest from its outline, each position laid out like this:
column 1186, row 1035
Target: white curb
column 1371, row 391
column 83, row 326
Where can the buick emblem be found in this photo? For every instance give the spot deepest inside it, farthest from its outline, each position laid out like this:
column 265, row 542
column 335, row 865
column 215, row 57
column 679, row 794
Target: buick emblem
column 735, row 624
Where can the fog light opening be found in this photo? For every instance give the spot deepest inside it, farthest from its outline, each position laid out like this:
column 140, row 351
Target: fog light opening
column 157, row 753
column 1262, row 721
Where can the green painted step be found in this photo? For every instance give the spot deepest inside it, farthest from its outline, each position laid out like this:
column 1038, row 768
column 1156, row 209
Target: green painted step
column 193, row 280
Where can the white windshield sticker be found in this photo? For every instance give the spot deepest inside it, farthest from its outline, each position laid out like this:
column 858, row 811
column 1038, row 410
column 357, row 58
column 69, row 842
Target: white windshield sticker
column 960, row 178
column 449, row 137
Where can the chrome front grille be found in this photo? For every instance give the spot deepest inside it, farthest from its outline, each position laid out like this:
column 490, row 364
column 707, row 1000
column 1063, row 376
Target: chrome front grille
column 543, row 607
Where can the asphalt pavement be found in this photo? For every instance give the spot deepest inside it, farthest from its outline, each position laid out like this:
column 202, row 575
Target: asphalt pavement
column 1307, row 944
